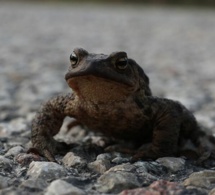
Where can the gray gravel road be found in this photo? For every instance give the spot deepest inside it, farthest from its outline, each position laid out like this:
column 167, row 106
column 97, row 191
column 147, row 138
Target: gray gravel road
column 175, row 46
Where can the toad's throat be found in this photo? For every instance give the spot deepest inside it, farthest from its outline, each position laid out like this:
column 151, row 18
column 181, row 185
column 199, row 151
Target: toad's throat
column 96, row 89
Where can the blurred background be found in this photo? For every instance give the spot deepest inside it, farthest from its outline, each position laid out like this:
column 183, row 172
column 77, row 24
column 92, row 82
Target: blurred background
column 156, row 2
column 173, row 40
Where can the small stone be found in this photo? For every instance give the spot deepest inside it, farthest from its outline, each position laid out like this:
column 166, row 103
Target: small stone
column 123, row 167
column 21, row 171
column 120, row 160
column 156, row 188
column 45, row 170
column 137, row 191
column 35, row 184
column 141, row 167
column 5, row 164
column 212, row 192
column 99, row 166
column 148, row 172
column 70, row 160
column 3, row 182
column 9, row 191
column 14, row 151
column 171, row 163
column 203, row 179
column 60, row 187
column 115, row 182
column 151, row 167
column 104, row 156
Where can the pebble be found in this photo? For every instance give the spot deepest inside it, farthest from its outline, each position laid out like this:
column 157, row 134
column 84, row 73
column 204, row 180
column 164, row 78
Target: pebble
column 5, row 164
column 34, row 184
column 120, row 160
column 45, row 170
column 115, row 182
column 212, row 192
column 100, row 166
column 123, row 167
column 141, row 166
column 203, row 179
column 163, row 187
column 118, row 178
column 60, row 187
column 70, row 160
column 171, row 163
column 14, row 151
column 152, row 167
column 104, row 156
column 3, row 182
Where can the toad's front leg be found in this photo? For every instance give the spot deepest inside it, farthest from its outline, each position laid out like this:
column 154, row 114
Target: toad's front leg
column 47, row 124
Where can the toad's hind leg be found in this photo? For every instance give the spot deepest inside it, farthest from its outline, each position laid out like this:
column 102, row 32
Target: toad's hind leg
column 202, row 142
column 164, row 141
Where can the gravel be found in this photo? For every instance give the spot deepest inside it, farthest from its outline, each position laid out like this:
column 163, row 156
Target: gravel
column 174, row 46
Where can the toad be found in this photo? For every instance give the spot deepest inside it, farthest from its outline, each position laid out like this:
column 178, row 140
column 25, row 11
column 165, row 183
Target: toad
column 111, row 95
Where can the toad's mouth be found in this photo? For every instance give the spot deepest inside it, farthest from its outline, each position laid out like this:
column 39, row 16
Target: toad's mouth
column 108, row 75
column 98, row 89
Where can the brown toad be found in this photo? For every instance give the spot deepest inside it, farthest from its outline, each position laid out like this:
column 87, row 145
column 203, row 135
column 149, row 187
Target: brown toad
column 111, row 95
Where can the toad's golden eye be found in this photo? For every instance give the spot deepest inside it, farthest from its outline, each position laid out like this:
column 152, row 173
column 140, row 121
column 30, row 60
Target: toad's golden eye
column 73, row 60
column 122, row 63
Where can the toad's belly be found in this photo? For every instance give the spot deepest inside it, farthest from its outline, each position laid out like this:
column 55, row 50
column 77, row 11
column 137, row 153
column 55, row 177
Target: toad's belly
column 122, row 129
column 123, row 121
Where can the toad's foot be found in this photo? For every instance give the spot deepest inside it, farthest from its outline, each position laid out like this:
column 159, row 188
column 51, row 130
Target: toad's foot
column 122, row 148
column 140, row 155
column 50, row 147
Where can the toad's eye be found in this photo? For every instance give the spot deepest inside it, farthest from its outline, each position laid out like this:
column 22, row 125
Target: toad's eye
column 122, row 63
column 73, row 60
